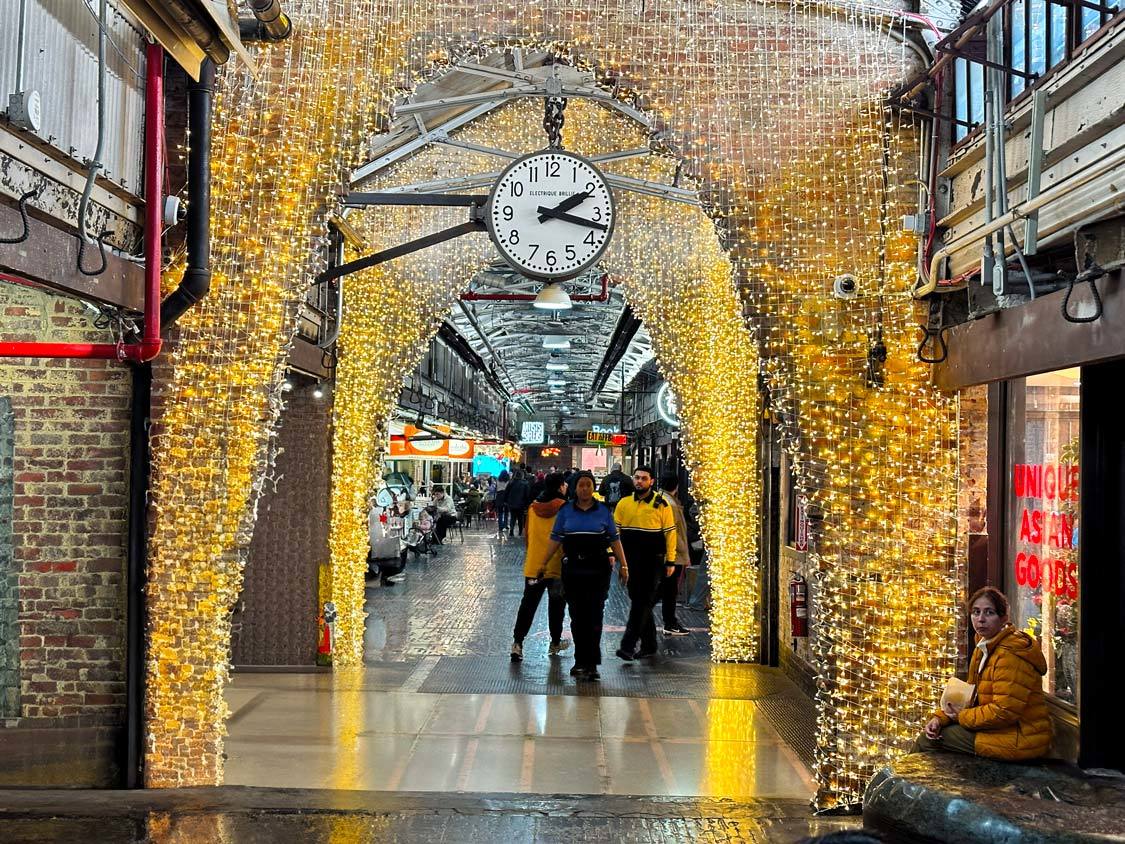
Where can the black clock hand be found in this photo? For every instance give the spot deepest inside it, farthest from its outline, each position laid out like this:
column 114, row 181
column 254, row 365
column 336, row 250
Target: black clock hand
column 566, row 204
column 570, row 218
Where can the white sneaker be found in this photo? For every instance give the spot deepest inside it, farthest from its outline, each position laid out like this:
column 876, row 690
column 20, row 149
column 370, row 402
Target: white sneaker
column 517, row 652
column 397, row 578
column 555, row 650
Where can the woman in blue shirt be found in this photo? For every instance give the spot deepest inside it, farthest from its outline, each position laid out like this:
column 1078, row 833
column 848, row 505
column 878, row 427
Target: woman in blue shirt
column 585, row 530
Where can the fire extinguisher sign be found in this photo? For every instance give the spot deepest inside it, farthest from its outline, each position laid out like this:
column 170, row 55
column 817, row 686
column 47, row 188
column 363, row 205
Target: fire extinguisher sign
column 802, row 538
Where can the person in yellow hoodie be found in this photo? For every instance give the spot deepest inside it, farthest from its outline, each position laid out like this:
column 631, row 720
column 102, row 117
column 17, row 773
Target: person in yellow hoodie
column 539, row 578
column 1007, row 718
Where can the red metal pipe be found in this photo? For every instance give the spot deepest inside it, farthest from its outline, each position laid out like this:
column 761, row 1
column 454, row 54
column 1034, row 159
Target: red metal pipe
column 528, row 297
column 149, row 345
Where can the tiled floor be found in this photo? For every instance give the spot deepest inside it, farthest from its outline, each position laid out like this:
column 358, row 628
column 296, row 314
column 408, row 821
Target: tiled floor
column 679, row 726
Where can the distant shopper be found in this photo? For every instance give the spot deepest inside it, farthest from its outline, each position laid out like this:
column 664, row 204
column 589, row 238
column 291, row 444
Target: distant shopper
column 537, row 486
column 648, row 533
column 396, row 535
column 490, row 499
column 502, row 482
column 536, row 579
column 446, row 512
column 518, row 499
column 669, row 589
column 1006, row 717
column 615, row 486
column 585, row 530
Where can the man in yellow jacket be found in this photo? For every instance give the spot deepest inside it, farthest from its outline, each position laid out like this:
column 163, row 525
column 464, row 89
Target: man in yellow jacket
column 647, row 525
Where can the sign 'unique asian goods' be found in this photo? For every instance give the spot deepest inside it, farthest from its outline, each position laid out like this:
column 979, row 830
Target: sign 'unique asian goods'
column 1048, row 526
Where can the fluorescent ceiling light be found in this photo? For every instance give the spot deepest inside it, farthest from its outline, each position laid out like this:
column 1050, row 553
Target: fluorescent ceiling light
column 555, row 382
column 553, row 298
column 558, row 367
column 554, row 342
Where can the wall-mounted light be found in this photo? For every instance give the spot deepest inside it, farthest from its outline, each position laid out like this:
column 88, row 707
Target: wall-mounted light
column 286, row 386
column 318, row 392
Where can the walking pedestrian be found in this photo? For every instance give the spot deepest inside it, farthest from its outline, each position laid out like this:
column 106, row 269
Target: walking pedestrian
column 502, row 482
column 585, row 530
column 648, row 534
column 536, row 580
column 615, row 486
column 670, row 485
column 517, row 500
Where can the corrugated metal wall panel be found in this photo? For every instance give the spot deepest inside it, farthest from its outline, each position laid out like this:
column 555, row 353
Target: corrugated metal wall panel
column 62, row 64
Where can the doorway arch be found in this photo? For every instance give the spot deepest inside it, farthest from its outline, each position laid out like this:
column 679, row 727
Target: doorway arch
column 771, row 111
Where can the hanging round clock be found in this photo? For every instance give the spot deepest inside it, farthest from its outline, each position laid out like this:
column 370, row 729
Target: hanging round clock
column 551, row 214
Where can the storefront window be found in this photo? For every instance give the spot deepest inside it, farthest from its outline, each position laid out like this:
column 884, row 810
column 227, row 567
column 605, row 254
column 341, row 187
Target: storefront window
column 1043, row 520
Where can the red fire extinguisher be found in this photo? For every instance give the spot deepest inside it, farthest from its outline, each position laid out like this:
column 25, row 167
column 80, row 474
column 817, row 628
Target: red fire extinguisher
column 798, row 606
column 327, row 621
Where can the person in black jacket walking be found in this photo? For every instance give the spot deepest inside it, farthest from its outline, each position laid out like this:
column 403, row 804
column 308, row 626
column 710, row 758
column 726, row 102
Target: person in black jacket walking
column 615, row 486
column 517, row 500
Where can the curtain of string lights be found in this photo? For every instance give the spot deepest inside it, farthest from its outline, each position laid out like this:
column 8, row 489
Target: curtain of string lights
column 774, row 111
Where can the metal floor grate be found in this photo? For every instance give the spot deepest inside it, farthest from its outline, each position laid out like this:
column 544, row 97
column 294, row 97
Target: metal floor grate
column 794, row 717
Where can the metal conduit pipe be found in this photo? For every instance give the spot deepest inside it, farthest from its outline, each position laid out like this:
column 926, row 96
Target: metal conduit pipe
column 269, row 23
column 197, row 277
column 205, row 36
column 1097, row 169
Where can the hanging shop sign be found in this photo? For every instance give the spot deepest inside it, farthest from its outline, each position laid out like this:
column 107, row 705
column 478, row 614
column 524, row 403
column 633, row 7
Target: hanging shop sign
column 801, row 541
column 435, row 442
column 605, row 438
column 533, row 433
column 666, row 405
column 1046, row 527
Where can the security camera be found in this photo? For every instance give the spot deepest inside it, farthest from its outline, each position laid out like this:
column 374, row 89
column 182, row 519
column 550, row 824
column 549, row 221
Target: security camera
column 845, row 286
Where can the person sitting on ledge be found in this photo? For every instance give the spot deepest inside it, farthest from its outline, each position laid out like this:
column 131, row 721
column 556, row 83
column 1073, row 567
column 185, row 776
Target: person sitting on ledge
column 1007, row 715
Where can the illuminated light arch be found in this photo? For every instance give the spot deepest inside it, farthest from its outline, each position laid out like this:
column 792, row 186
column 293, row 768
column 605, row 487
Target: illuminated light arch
column 753, row 96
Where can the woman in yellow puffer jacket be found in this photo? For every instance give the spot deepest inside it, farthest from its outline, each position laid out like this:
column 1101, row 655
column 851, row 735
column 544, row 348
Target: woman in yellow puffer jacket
column 540, row 520
column 1008, row 717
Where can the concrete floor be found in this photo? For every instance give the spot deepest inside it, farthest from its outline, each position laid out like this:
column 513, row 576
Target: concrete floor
column 679, row 726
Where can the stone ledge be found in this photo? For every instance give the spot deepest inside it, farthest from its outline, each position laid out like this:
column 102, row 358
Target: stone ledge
column 936, row 797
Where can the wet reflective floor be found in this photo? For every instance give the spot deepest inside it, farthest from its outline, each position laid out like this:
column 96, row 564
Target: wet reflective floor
column 440, row 707
column 249, row 816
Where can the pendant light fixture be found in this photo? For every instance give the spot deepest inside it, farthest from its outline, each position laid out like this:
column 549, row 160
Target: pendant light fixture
column 553, row 298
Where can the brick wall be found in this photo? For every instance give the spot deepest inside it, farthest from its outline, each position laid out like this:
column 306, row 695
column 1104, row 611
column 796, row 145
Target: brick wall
column 276, row 619
column 69, row 437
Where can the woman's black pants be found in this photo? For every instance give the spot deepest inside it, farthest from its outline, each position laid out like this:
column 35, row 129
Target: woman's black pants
column 533, row 589
column 586, row 593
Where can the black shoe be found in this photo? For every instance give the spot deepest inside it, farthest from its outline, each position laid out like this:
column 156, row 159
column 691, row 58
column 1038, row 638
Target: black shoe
column 592, row 675
column 628, row 657
column 385, row 582
column 676, row 630
column 645, row 654
column 577, row 671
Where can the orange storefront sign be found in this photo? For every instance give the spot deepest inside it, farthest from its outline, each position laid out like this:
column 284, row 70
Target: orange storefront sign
column 413, row 442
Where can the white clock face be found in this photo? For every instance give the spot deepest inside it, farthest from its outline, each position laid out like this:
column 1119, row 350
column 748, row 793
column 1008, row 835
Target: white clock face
column 551, row 214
